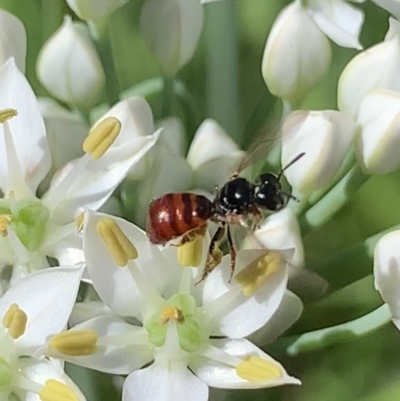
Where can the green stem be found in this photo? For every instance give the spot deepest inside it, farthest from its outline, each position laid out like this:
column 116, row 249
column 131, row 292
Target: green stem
column 318, row 339
column 222, row 69
column 101, row 34
column 337, row 271
column 167, row 96
column 335, row 199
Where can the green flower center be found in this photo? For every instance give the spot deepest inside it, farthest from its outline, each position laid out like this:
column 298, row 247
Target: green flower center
column 181, row 308
column 5, row 374
column 28, row 219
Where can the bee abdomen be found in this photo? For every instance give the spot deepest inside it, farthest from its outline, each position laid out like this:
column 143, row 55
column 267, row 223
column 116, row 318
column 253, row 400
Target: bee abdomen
column 172, row 215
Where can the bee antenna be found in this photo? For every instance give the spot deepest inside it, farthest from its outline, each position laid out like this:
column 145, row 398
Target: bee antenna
column 290, row 196
column 297, row 158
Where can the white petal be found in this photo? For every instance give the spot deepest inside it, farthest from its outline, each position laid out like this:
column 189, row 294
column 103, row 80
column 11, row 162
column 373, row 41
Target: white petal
column 240, row 315
column 393, row 6
column 172, row 136
column 288, row 312
column 40, row 372
column 12, row 40
column 387, row 271
column 47, row 297
column 165, row 380
column 88, row 310
column 218, row 374
column 90, row 10
column 340, row 21
column 115, row 285
column 96, row 181
column 118, row 359
column 27, row 128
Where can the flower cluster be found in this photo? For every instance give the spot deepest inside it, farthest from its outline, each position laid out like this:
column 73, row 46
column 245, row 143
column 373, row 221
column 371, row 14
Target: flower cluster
column 80, row 285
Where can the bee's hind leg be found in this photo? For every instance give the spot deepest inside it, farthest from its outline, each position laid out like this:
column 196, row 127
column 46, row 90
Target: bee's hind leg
column 232, row 252
column 214, row 253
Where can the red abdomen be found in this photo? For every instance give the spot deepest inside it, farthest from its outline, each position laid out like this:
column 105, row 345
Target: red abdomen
column 172, row 215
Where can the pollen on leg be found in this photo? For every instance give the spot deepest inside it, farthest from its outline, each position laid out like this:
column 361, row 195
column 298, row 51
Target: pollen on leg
column 15, row 321
column 257, row 272
column 101, row 137
column 55, row 390
column 75, row 342
column 118, row 244
column 256, row 369
column 7, row 114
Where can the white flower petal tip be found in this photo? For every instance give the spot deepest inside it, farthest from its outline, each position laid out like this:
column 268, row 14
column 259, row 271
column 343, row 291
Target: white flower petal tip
column 340, row 21
column 239, row 364
column 378, row 133
column 92, row 10
column 12, row 40
column 281, row 231
column 69, row 68
column 325, row 137
column 295, row 58
column 366, row 72
column 387, row 271
column 172, row 39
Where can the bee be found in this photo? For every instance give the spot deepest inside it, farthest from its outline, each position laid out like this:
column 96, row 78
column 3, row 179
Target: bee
column 239, row 201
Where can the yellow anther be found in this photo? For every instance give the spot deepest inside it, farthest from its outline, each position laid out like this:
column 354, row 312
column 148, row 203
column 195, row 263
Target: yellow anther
column 171, row 313
column 79, row 222
column 256, row 273
column 7, row 114
column 256, row 369
column 5, row 220
column 75, row 342
column 15, row 321
column 189, row 254
column 54, row 390
column 118, row 244
column 101, row 137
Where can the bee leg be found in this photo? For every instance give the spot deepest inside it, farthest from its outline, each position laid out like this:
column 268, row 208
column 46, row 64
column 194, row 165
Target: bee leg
column 192, row 235
column 232, row 252
column 214, row 254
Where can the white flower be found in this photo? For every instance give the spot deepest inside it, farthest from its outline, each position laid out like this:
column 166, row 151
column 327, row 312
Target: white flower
column 12, row 40
column 378, row 138
column 393, row 6
column 33, row 228
column 297, row 54
column 325, row 137
column 366, row 72
column 69, row 67
column 92, row 10
column 171, row 30
column 387, row 272
column 179, row 321
column 31, row 311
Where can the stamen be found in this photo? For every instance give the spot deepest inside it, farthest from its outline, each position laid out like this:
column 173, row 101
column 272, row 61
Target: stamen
column 171, row 313
column 7, row 114
column 256, row 273
column 54, row 390
column 79, row 222
column 75, row 342
column 5, row 220
column 189, row 253
column 255, row 369
column 102, row 137
column 118, row 244
column 15, row 321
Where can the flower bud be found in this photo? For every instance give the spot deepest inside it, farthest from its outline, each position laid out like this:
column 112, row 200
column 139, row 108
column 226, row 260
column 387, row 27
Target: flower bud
column 91, row 10
column 69, row 68
column 12, row 40
column 173, row 136
column 296, row 56
column 171, row 30
column 212, row 155
column 378, row 134
column 387, row 272
column 366, row 71
column 324, row 137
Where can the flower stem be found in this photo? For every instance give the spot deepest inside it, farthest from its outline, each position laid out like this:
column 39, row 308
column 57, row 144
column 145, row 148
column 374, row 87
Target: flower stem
column 335, row 199
column 101, row 34
column 318, row 339
column 222, row 69
column 167, row 96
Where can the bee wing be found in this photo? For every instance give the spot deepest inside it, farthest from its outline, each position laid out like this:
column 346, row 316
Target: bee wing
column 269, row 137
